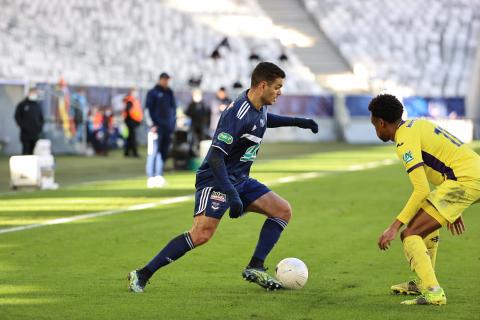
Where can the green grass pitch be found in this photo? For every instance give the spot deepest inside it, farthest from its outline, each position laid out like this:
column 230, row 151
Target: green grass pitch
column 78, row 270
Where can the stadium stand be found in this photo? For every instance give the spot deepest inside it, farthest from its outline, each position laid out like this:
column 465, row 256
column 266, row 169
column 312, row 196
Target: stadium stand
column 123, row 43
column 428, row 46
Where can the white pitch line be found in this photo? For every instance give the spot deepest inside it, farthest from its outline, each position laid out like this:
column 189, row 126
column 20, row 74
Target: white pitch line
column 92, row 215
column 142, row 206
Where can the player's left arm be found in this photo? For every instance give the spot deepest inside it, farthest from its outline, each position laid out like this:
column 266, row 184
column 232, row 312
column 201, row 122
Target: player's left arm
column 275, row 121
column 421, row 190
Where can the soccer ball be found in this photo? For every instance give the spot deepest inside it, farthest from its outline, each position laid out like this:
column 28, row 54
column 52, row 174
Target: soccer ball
column 292, row 273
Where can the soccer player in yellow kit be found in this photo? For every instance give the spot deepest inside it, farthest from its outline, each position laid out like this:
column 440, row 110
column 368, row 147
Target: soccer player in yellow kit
column 429, row 154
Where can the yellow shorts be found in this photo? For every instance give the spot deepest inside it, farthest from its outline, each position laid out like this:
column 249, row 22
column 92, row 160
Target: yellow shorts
column 448, row 201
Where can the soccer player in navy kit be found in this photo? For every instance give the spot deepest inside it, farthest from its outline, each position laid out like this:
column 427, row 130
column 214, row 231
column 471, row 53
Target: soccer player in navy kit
column 223, row 180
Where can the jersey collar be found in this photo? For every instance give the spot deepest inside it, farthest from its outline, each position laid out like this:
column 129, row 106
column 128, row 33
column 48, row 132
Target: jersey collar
column 398, row 128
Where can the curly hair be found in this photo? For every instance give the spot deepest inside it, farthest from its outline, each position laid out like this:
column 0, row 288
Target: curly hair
column 386, row 107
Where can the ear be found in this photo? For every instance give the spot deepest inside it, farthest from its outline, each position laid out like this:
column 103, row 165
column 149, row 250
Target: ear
column 382, row 123
column 263, row 84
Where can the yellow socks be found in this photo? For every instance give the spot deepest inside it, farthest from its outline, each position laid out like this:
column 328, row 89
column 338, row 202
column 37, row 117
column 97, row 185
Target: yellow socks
column 431, row 242
column 417, row 254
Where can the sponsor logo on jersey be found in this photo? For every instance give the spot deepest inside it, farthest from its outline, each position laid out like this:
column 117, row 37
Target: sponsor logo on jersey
column 399, row 144
column 407, row 156
column 218, row 196
column 225, row 137
column 251, row 153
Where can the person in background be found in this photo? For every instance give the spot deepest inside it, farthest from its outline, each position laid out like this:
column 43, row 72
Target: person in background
column 79, row 108
column 29, row 117
column 162, row 108
column 133, row 116
column 220, row 103
column 200, row 114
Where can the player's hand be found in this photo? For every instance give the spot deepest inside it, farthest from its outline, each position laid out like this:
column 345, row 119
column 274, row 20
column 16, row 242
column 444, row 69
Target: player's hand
column 306, row 123
column 236, row 205
column 457, row 227
column 386, row 237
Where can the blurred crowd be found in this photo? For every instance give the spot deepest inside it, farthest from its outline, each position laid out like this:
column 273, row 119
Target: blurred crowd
column 95, row 129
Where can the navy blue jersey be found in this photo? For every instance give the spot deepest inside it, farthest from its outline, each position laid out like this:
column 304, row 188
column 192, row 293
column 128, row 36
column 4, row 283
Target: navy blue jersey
column 239, row 134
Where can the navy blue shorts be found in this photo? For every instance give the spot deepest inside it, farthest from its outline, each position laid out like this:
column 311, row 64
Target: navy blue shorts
column 214, row 202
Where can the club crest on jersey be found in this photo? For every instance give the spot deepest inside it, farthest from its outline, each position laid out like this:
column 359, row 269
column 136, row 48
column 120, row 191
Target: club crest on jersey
column 218, row 196
column 225, row 137
column 215, row 205
column 407, row 156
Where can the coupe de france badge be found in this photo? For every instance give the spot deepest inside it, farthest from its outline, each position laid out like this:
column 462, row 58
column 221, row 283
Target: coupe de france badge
column 407, row 156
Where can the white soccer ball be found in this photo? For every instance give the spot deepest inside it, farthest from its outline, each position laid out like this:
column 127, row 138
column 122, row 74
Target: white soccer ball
column 292, row 273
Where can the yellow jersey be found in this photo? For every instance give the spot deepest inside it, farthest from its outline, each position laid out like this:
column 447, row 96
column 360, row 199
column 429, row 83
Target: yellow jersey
column 438, row 155
column 421, row 142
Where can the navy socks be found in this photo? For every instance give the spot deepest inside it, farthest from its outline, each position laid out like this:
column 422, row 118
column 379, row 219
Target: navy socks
column 175, row 249
column 269, row 235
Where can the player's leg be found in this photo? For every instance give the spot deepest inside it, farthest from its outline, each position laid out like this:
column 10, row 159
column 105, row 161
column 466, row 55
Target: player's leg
column 425, row 222
column 278, row 212
column 152, row 155
column 202, row 230
column 258, row 198
column 210, row 205
column 414, row 287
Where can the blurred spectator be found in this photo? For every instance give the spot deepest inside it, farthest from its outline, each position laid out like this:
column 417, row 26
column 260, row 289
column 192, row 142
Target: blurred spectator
column 224, row 43
column 79, row 108
column 254, row 56
column 29, row 118
column 133, row 116
column 195, row 82
column 215, row 54
column 220, row 103
column 162, row 108
column 200, row 114
column 101, row 120
column 237, row 88
column 283, row 57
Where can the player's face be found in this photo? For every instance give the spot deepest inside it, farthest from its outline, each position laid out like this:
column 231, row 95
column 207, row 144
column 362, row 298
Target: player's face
column 272, row 91
column 380, row 128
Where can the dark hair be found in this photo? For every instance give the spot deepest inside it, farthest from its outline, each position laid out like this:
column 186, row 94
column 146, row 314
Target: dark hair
column 386, row 107
column 266, row 71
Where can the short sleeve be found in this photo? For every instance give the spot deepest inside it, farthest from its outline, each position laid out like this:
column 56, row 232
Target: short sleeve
column 229, row 130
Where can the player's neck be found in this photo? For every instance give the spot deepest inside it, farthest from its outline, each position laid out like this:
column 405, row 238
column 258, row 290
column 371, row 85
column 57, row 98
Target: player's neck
column 395, row 127
column 255, row 99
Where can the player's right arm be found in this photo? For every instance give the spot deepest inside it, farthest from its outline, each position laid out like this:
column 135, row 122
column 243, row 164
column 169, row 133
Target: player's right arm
column 229, row 130
column 216, row 161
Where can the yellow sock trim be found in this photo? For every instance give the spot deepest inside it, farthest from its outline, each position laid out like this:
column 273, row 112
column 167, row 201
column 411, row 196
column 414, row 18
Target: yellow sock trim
column 417, row 254
column 431, row 242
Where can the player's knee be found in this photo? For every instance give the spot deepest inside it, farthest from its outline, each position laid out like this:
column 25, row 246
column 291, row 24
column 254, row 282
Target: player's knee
column 285, row 212
column 201, row 236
